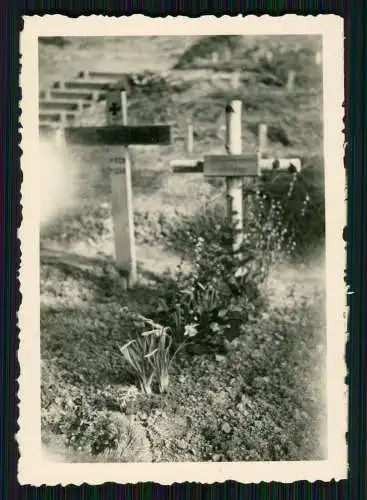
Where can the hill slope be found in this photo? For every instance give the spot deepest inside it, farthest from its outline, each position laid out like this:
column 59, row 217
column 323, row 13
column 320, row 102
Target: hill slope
column 294, row 119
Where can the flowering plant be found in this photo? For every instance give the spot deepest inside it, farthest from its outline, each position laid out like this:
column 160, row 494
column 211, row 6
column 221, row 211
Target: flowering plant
column 150, row 355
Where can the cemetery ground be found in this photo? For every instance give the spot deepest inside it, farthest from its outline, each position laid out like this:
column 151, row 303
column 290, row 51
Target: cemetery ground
column 252, row 392
column 249, row 382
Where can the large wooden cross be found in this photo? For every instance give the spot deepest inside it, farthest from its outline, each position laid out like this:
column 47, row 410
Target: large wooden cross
column 117, row 133
column 238, row 169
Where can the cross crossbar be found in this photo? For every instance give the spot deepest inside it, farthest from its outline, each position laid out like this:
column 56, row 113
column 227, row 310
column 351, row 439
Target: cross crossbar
column 230, row 166
column 197, row 166
column 120, row 135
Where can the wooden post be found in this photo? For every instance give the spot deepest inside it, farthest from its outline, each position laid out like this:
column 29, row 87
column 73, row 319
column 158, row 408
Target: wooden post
column 121, row 187
column 215, row 57
column 263, row 139
column 124, row 106
column 227, row 55
column 269, row 56
column 190, row 138
column 234, row 184
column 290, row 81
column 60, row 137
column 60, row 134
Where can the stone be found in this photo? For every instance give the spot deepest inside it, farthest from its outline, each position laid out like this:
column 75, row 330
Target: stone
column 226, row 428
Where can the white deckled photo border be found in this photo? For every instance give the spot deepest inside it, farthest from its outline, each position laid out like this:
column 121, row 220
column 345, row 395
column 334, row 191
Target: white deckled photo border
column 32, row 470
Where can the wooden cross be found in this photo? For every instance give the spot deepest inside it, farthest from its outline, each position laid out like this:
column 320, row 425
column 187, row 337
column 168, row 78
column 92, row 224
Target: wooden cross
column 235, row 167
column 117, row 133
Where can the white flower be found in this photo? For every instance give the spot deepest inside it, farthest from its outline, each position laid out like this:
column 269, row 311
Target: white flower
column 147, row 333
column 190, row 330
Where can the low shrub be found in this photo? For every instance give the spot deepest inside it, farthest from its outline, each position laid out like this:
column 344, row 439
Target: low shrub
column 222, row 289
column 301, row 196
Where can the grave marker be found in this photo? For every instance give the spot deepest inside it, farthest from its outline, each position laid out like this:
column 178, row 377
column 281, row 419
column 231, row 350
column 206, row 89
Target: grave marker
column 190, row 138
column 291, row 80
column 238, row 169
column 117, row 132
column 215, row 57
column 235, row 167
column 263, row 139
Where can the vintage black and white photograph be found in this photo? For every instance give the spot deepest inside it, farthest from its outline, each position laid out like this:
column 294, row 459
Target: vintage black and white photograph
column 182, row 299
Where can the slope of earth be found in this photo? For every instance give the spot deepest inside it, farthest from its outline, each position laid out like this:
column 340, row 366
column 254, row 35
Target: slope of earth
column 81, row 300
column 61, row 61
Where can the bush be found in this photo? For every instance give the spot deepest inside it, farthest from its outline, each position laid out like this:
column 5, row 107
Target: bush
column 223, row 288
column 302, row 199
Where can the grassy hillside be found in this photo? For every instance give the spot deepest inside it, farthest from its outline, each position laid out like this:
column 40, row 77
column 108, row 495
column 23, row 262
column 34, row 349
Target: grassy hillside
column 126, row 54
column 231, row 395
column 199, row 95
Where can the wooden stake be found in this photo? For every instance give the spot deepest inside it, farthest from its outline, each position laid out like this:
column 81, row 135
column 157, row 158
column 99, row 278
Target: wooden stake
column 234, row 184
column 60, row 137
column 124, row 106
column 291, row 79
column 122, row 208
column 263, row 139
column 190, row 138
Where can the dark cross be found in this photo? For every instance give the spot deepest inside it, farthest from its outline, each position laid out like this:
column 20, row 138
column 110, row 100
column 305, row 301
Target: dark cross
column 114, row 108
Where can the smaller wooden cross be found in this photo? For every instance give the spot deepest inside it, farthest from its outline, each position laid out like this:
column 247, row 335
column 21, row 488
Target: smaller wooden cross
column 118, row 134
column 235, row 167
column 238, row 169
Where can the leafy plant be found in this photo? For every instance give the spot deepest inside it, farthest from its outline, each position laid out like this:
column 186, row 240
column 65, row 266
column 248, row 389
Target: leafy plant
column 163, row 355
column 300, row 201
column 135, row 353
column 221, row 288
column 151, row 354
